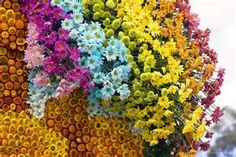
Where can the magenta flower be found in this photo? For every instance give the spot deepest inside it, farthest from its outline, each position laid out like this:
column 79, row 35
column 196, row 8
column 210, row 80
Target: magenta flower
column 205, row 146
column 60, row 69
column 61, row 45
column 60, row 55
column 81, row 76
column 72, row 75
column 209, row 135
column 63, row 34
column 74, row 54
column 51, row 39
column 49, row 66
column 217, row 114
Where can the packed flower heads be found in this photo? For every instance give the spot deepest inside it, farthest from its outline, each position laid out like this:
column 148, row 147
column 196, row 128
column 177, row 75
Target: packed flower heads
column 146, row 61
column 52, row 56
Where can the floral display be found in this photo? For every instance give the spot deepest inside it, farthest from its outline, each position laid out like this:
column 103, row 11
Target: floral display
column 93, row 136
column 13, row 70
column 13, row 80
column 106, row 78
column 29, row 137
column 13, row 26
column 52, row 56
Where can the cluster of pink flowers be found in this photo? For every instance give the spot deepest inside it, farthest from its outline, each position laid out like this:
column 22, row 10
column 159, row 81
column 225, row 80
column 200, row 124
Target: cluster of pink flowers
column 51, row 49
column 34, row 52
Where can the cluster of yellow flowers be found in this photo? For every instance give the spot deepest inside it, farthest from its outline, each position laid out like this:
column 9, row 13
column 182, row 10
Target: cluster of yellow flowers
column 162, row 60
column 91, row 136
column 24, row 136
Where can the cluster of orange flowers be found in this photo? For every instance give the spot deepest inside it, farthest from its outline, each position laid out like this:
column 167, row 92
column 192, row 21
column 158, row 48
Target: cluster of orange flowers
column 13, row 79
column 12, row 25
column 90, row 136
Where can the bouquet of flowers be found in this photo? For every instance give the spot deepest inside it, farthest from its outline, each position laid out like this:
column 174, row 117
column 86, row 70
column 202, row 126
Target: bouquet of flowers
column 144, row 63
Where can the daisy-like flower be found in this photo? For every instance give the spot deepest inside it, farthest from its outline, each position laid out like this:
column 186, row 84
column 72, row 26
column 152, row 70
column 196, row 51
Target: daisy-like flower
column 60, row 55
column 61, row 46
column 64, row 88
column 112, row 42
column 83, row 27
column 118, row 47
column 107, row 91
column 100, row 36
column 96, row 53
column 94, row 62
column 74, row 33
column 56, row 2
column 74, row 53
column 95, row 26
column 123, row 91
column 67, row 24
column 41, row 80
column 89, row 37
column 63, row 34
column 125, row 71
column 49, row 66
column 34, row 55
column 110, row 55
column 116, row 74
column 37, row 100
column 52, row 37
column 74, row 6
column 98, row 77
column 33, row 34
column 78, row 17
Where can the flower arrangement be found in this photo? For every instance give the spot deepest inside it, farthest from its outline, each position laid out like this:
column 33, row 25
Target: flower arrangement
column 25, row 134
column 13, row 70
column 142, row 63
column 171, row 85
column 52, row 56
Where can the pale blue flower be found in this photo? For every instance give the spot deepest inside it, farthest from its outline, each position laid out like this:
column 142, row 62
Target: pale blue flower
column 78, row 18
column 110, row 55
column 112, row 42
column 95, row 26
column 93, row 62
column 96, row 53
column 56, row 2
column 118, row 47
column 88, row 37
column 74, row 33
column 107, row 91
column 125, row 71
column 100, row 36
column 108, row 65
column 67, row 24
column 123, row 91
column 63, row 4
column 82, row 27
column 100, row 48
column 75, row 6
column 116, row 74
column 99, row 77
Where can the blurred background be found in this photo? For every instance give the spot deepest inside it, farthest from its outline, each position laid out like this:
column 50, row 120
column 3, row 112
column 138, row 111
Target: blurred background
column 220, row 17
